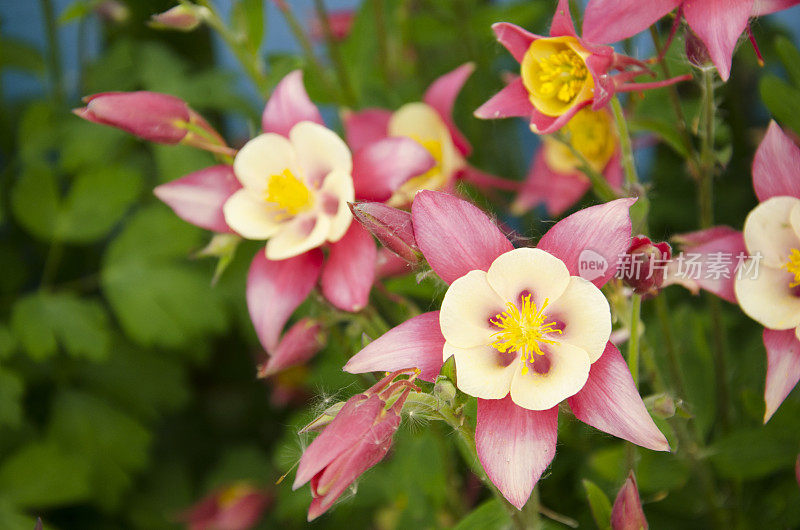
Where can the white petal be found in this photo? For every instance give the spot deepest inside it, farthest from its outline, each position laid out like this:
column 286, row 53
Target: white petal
column 767, row 298
column 338, row 187
column 482, row 371
column 794, row 219
column 250, row 216
column 422, row 123
column 319, row 151
column 299, row 235
column 467, row 307
column 528, row 269
column 768, row 230
column 263, row 156
column 568, row 372
column 586, row 316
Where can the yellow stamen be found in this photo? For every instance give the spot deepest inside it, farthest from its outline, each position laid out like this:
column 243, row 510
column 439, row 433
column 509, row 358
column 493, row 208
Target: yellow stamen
column 288, row 193
column 793, row 266
column 562, row 75
column 233, row 494
column 523, row 329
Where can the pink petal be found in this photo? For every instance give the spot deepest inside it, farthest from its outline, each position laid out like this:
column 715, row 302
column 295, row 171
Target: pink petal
column 764, row 7
column 604, row 229
column 613, row 171
column 485, row 180
column 442, row 94
column 557, row 191
column 511, row 102
column 515, row 445
column 383, row 166
column 627, row 513
column 454, row 235
column 363, row 128
column 416, row 343
column 783, row 367
column 350, row 270
column 610, row 402
column 776, row 166
column 289, row 105
column 389, row 264
column 706, row 244
column 719, row 23
column 276, row 288
column 562, row 21
column 198, row 197
column 346, row 429
column 613, row 20
column 515, row 39
column 303, row 340
column 544, row 124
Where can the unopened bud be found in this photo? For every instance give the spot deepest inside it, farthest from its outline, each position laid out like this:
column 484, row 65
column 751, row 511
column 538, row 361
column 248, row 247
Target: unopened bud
column 696, row 51
column 392, row 227
column 113, row 11
column 627, row 512
column 645, row 265
column 183, row 17
column 445, row 390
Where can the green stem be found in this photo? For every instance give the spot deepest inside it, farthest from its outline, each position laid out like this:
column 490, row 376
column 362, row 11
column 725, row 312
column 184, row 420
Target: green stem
column 349, row 95
column 53, row 55
column 383, row 43
column 628, row 165
column 305, row 43
column 662, row 311
column 251, row 62
column 600, row 185
column 633, row 341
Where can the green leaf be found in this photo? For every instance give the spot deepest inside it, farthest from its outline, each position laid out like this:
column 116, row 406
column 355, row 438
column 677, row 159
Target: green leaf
column 43, row 475
column 8, row 342
column 76, row 11
column 35, row 201
column 489, row 515
column 790, row 57
column 248, row 19
column 246, row 463
column 43, row 320
column 97, row 200
column 158, row 296
column 11, row 388
column 114, row 444
column 20, row 56
column 599, row 504
column 12, row 519
column 754, row 453
column 782, row 100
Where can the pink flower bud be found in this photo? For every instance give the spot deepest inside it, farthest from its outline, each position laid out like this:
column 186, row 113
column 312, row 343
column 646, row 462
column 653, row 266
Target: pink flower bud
column 392, row 227
column 181, row 18
column 113, row 11
column 341, row 23
column 236, row 507
column 696, row 51
column 627, row 512
column 645, row 265
column 153, row 116
column 303, row 340
column 355, row 440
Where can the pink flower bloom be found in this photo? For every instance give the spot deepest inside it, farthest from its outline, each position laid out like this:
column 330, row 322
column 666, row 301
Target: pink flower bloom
column 718, row 23
column 358, row 438
column 765, row 285
column 561, row 74
column 555, row 178
column 153, row 116
column 526, row 333
column 430, row 123
column 627, row 512
column 236, row 507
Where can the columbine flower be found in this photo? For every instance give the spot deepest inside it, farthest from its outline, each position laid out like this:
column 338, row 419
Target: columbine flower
column 561, row 74
column 555, row 178
column 766, row 284
column 718, row 23
column 526, row 332
column 430, row 123
column 236, row 507
column 355, row 440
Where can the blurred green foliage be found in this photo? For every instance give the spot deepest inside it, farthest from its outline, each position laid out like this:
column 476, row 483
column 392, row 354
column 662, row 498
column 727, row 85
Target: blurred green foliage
column 127, row 386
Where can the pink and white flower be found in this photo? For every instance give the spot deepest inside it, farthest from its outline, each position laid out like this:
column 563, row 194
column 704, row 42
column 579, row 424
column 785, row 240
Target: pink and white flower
column 526, row 333
column 430, row 123
column 561, row 74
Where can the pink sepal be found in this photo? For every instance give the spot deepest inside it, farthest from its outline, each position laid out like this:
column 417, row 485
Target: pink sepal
column 288, row 105
column 783, row 367
column 349, row 271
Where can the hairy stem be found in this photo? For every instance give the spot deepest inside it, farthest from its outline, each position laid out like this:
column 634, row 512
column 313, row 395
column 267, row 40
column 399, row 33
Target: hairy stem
column 348, row 94
column 600, row 185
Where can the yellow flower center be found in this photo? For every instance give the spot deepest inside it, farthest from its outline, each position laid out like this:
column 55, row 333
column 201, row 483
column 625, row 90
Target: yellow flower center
column 591, row 133
column 523, row 329
column 554, row 73
column 433, row 179
column 793, row 266
column 288, row 193
column 233, row 494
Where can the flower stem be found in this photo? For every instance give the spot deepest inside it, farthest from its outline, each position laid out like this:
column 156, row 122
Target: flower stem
column 348, row 94
column 662, row 311
column 633, row 342
column 600, row 185
column 53, row 55
column 628, row 166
